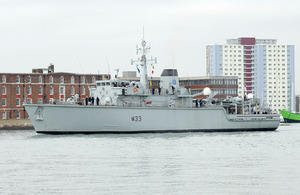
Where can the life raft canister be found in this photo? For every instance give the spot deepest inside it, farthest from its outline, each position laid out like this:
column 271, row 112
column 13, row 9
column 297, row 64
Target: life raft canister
column 135, row 89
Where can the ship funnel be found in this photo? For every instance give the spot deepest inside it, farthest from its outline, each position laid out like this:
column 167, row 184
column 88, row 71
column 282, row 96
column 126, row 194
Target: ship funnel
column 169, row 78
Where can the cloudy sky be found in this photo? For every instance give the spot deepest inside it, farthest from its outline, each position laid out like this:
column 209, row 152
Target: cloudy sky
column 94, row 36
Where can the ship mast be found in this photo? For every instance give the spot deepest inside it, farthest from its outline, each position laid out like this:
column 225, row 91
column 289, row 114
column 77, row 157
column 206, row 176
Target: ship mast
column 143, row 62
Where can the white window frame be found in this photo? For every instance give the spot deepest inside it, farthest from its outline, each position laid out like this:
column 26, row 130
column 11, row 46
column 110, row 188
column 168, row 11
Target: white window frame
column 3, row 79
column 61, row 80
column 40, row 79
column 3, row 90
column 28, row 79
column 17, row 79
column 72, row 90
column 29, row 90
column 82, row 80
column 51, row 91
column 4, row 115
column 72, row 80
column 18, row 90
column 18, row 102
column 40, row 90
column 61, row 90
column 51, row 79
column 3, row 103
column 18, row 114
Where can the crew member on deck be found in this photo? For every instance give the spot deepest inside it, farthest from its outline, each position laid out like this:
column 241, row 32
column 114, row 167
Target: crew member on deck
column 97, row 101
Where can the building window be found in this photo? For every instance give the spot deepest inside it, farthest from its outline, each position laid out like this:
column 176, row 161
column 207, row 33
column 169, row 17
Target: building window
column 18, row 90
column 3, row 115
column 3, row 101
column 28, row 79
column 51, row 90
column 3, row 79
column 17, row 79
column 82, row 79
column 3, row 90
column 51, row 79
column 93, row 80
column 18, row 102
column 72, row 80
column 62, row 80
column 61, row 90
column 18, row 114
column 40, row 90
column 83, row 91
column 40, row 79
column 40, row 100
column 28, row 90
column 29, row 101
column 72, row 91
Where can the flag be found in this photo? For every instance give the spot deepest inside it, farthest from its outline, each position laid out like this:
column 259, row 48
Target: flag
column 245, row 89
column 138, row 69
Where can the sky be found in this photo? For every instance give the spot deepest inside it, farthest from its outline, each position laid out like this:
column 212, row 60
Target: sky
column 98, row 36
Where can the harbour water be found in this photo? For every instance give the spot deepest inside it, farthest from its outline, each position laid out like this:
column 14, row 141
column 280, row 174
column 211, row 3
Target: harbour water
column 162, row 163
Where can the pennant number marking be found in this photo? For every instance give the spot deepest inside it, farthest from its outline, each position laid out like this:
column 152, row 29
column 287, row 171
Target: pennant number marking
column 136, row 118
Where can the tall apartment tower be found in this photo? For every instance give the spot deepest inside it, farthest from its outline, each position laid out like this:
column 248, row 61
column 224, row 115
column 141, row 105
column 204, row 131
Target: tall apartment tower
column 263, row 67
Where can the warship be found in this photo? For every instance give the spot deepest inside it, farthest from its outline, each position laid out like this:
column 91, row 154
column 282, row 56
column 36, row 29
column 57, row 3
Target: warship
column 134, row 107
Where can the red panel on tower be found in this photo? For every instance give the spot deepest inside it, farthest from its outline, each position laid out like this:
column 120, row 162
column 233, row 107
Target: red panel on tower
column 248, row 41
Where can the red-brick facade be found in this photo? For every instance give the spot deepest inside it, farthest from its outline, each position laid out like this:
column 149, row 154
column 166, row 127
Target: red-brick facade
column 41, row 88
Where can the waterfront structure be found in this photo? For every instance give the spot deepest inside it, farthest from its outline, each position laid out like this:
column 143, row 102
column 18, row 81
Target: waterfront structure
column 41, row 86
column 264, row 68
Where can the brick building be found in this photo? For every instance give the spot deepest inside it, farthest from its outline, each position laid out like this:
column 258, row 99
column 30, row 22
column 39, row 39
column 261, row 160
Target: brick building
column 41, row 86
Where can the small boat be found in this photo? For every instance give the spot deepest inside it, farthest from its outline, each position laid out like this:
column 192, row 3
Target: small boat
column 290, row 117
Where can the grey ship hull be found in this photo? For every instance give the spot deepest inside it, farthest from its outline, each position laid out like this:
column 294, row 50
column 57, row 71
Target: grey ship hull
column 110, row 119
